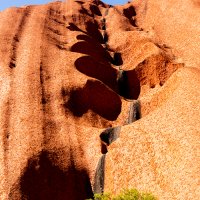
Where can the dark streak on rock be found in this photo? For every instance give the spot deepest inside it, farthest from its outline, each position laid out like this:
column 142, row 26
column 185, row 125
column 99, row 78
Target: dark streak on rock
column 58, row 21
column 43, row 99
column 57, row 32
column 16, row 38
column 6, row 135
column 134, row 112
column 100, row 175
column 110, row 135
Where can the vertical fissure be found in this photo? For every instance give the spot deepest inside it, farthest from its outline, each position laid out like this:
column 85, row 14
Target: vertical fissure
column 104, row 29
column 121, row 80
column 108, row 136
column 117, row 59
column 111, row 134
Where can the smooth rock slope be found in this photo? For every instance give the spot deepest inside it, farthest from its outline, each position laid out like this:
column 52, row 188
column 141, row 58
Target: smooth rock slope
column 98, row 98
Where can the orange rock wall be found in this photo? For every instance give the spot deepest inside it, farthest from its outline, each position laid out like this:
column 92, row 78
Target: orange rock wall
column 69, row 70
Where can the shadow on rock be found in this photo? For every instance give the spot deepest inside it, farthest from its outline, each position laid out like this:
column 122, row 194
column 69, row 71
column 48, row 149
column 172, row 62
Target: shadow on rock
column 97, row 97
column 129, row 84
column 90, row 47
column 101, row 71
column 95, row 10
column 129, row 13
column 42, row 180
column 92, row 30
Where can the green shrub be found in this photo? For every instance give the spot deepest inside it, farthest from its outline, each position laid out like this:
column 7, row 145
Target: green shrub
column 102, row 197
column 148, row 196
column 131, row 194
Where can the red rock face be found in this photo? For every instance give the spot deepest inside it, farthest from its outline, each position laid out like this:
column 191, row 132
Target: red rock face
column 81, row 79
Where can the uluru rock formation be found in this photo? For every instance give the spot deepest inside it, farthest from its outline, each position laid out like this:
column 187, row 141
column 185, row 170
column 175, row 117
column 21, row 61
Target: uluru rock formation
column 99, row 98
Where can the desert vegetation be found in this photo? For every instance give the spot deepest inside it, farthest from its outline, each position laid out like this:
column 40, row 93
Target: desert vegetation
column 128, row 194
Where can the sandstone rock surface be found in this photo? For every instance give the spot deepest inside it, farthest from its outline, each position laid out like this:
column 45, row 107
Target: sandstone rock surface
column 99, row 98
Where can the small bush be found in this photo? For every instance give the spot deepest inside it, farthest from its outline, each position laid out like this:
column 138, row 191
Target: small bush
column 131, row 194
column 106, row 196
column 102, row 197
column 148, row 196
